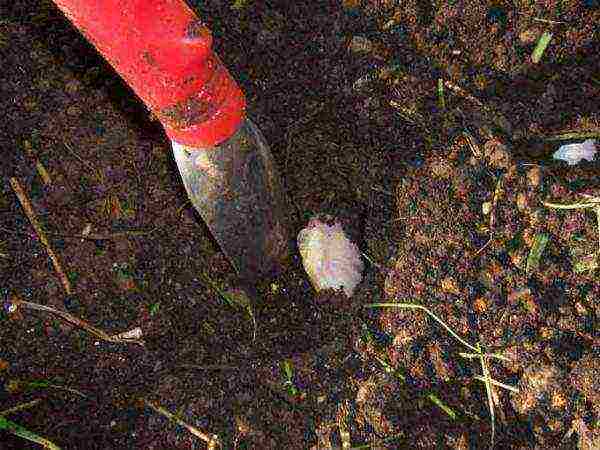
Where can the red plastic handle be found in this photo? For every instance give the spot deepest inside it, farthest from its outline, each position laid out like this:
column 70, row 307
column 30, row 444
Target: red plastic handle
column 163, row 51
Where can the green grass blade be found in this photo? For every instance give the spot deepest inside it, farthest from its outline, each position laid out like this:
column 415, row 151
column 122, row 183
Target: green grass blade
column 427, row 394
column 431, row 314
column 535, row 254
column 490, row 398
column 24, row 433
column 235, row 299
column 440, row 404
column 540, row 48
column 440, row 94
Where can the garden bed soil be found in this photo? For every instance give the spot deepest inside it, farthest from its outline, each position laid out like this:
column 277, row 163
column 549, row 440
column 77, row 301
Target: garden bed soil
column 443, row 193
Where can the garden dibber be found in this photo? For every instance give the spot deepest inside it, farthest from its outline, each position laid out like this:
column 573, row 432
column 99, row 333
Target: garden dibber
column 163, row 51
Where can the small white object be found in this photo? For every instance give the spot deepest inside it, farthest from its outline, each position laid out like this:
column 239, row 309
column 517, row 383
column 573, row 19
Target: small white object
column 134, row 333
column 360, row 44
column 86, row 230
column 486, row 207
column 573, row 153
column 329, row 258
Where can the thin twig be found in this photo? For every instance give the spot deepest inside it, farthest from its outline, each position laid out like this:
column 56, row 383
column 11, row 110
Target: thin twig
column 68, row 389
column 212, row 441
column 21, row 385
column 104, row 237
column 20, row 407
column 26, row 204
column 383, row 191
column 490, row 395
column 373, row 263
column 476, row 348
column 492, row 223
column 463, row 93
column 38, row 165
column 571, row 205
column 430, row 314
column 211, row 367
column 489, row 355
column 496, row 117
column 597, row 211
column 537, row 19
column 81, row 160
column 92, row 236
column 593, row 203
column 498, row 383
column 569, row 135
column 118, row 338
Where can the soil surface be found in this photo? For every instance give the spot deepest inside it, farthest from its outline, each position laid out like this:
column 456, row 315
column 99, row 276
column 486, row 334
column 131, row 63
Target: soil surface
column 424, row 127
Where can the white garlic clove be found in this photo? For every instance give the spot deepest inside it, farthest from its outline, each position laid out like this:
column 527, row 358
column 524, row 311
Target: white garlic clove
column 574, row 153
column 329, row 258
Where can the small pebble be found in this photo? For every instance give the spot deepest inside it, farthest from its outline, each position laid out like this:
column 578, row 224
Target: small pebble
column 534, row 177
column 480, row 305
column 72, row 86
column 521, row 201
column 486, row 207
column 10, row 307
column 497, row 154
column 73, row 110
column 360, row 44
column 529, row 36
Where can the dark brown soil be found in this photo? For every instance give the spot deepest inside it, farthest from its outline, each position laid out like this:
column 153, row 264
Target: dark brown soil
column 445, row 201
